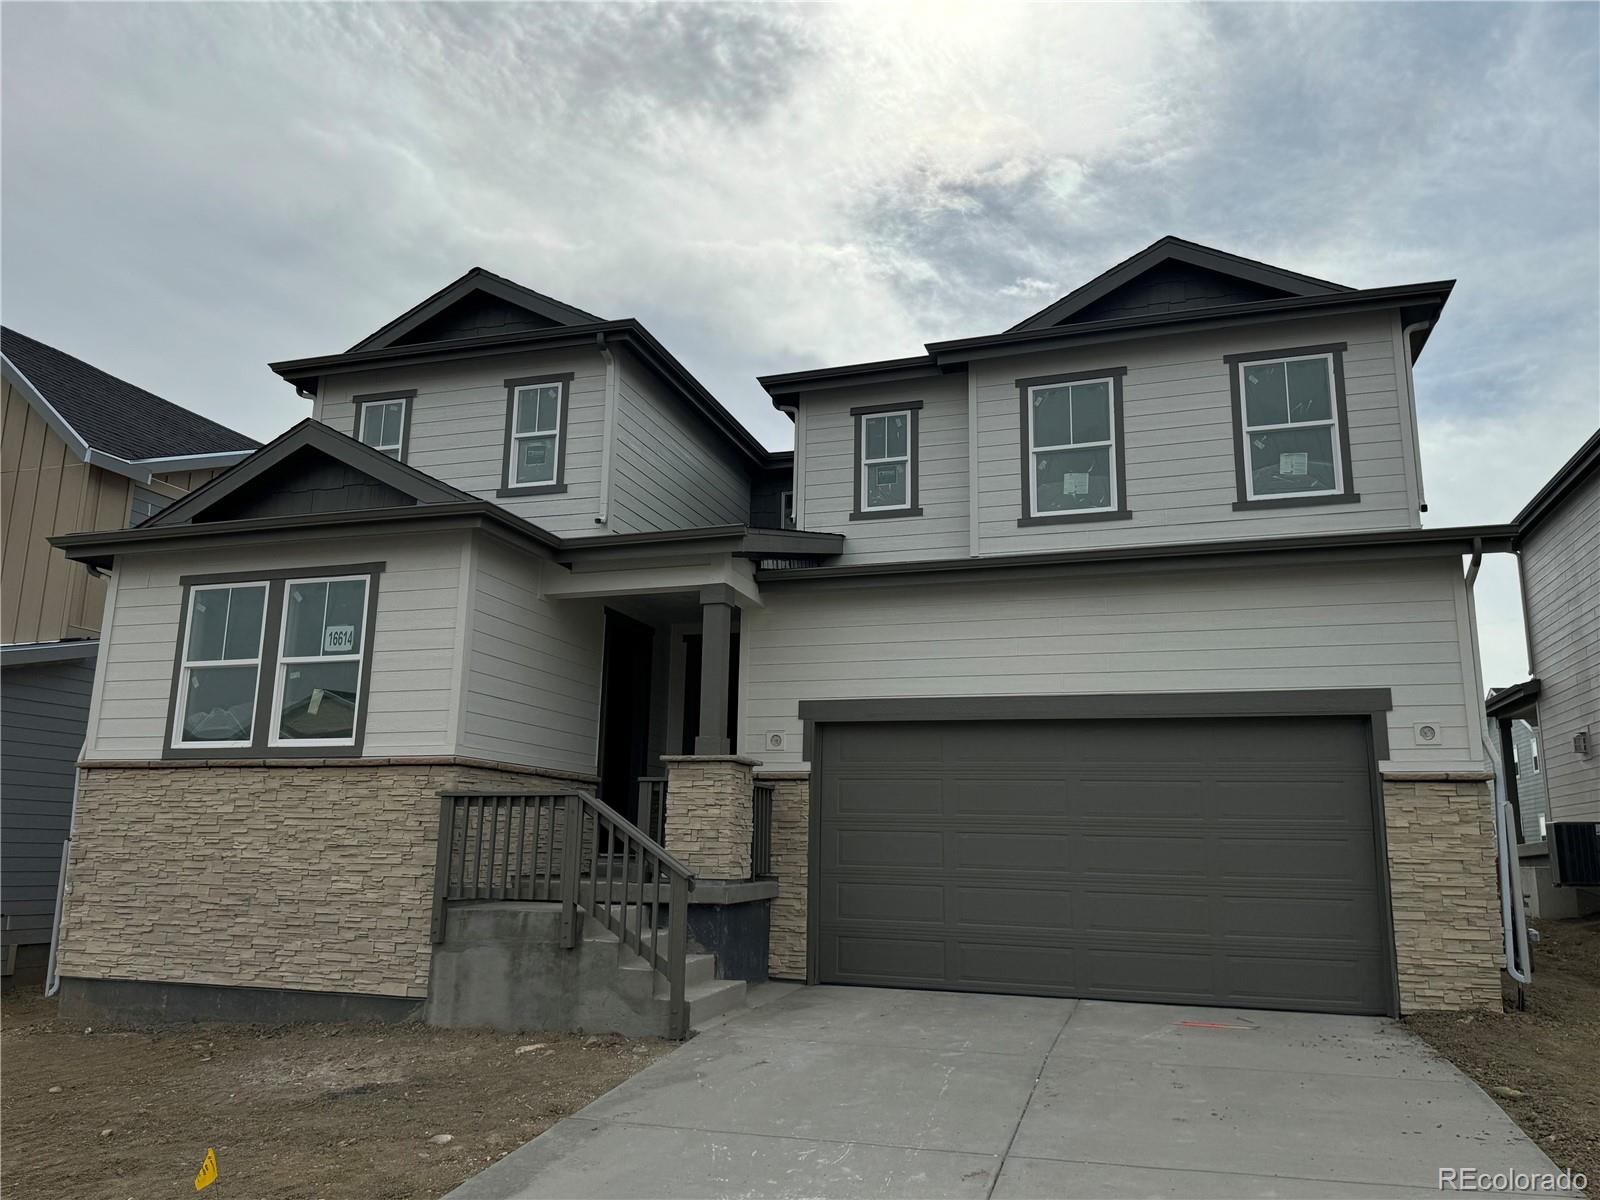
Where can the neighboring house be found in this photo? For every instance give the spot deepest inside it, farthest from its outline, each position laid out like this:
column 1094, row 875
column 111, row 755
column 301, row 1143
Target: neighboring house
column 1105, row 656
column 82, row 450
column 1558, row 565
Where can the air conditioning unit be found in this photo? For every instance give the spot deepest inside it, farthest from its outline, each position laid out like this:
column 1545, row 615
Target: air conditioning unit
column 1575, row 853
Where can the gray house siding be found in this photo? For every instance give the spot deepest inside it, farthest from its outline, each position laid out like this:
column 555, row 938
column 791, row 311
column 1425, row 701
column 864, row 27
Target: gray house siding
column 1399, row 625
column 532, row 687
column 458, row 427
column 671, row 471
column 829, row 488
column 43, row 711
column 1561, row 595
column 1532, row 800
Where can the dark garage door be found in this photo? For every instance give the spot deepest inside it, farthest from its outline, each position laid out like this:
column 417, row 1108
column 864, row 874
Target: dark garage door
column 1227, row 862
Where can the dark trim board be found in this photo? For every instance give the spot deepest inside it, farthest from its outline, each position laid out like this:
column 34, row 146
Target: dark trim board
column 1121, row 512
column 260, row 746
column 1112, row 706
column 144, row 1002
column 507, row 488
column 1242, row 501
column 913, row 411
column 409, row 395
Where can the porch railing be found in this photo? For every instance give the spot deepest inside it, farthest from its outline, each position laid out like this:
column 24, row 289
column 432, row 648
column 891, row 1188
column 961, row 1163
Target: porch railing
column 653, row 807
column 570, row 848
column 761, row 830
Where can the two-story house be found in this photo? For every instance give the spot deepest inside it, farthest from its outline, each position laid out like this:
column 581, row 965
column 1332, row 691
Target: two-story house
column 1103, row 656
column 82, row 450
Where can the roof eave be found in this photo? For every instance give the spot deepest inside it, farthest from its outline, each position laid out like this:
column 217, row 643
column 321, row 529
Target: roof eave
column 1562, row 484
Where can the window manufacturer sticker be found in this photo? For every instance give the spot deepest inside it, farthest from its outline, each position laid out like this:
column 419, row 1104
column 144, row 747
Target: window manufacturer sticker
column 1075, row 483
column 1298, row 463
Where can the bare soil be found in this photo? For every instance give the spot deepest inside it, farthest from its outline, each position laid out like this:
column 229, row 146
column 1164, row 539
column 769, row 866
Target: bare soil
column 1541, row 1065
column 332, row 1111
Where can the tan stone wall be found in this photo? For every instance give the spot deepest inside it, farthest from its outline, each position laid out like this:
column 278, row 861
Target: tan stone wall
column 315, row 876
column 709, row 814
column 1445, row 893
column 791, row 835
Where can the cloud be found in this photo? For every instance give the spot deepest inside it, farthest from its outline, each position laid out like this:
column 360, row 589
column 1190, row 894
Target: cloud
column 192, row 191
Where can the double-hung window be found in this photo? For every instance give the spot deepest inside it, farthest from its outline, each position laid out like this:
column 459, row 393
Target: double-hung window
column 317, row 694
column 220, row 671
column 1072, row 447
column 276, row 665
column 384, row 422
column 1290, row 421
column 536, row 411
column 886, row 461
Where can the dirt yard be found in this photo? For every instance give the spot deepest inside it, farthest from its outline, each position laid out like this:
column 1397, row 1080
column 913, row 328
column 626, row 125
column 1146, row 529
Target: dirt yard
column 342, row 1112
column 1543, row 1065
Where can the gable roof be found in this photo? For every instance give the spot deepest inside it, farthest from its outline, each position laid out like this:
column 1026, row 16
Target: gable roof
column 310, row 437
column 1194, row 276
column 1548, row 499
column 489, row 302
column 93, row 411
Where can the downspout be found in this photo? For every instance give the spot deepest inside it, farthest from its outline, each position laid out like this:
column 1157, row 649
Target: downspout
column 1411, row 401
column 609, row 441
column 1513, row 920
column 52, row 980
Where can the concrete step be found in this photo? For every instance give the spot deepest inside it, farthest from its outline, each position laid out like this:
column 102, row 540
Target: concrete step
column 697, row 968
column 707, row 1000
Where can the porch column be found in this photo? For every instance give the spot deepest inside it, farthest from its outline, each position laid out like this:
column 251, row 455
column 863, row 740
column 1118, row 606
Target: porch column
column 716, row 639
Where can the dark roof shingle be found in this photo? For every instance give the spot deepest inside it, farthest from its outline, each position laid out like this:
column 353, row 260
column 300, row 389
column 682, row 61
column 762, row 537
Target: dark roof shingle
column 111, row 414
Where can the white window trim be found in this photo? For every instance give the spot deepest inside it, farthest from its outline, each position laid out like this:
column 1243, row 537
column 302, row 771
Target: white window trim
column 553, row 434
column 366, row 410
column 282, row 662
column 1332, row 422
column 1034, row 449
column 786, row 510
column 181, row 708
column 867, row 462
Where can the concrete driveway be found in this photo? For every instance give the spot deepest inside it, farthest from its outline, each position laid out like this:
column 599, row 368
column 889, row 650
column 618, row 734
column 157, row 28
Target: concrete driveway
column 846, row 1092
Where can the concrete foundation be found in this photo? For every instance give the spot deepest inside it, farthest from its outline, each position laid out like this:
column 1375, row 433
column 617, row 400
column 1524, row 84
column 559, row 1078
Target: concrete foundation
column 145, row 1002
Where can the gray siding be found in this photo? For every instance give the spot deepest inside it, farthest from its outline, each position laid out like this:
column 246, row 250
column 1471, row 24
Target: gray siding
column 43, row 712
column 1178, row 430
column 532, row 688
column 1397, row 625
column 417, row 642
column 1532, row 800
column 1179, row 427
column 1561, row 580
column 670, row 470
column 458, row 427
column 830, row 466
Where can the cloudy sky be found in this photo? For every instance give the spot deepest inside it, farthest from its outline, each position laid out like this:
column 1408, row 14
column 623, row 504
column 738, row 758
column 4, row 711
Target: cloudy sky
column 190, row 191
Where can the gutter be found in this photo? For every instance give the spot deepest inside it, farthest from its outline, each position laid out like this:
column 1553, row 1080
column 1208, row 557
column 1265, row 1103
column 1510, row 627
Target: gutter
column 1513, row 920
column 140, row 470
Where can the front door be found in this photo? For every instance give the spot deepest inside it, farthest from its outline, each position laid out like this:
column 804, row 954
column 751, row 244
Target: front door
column 624, row 711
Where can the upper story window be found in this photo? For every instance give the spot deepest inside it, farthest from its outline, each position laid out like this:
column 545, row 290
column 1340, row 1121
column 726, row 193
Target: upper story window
column 144, row 504
column 1072, row 448
column 786, row 510
column 1291, row 430
column 886, row 461
column 536, row 423
column 274, row 666
column 384, row 422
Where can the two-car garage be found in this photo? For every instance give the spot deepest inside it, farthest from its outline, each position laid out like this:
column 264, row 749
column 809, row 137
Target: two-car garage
column 1215, row 858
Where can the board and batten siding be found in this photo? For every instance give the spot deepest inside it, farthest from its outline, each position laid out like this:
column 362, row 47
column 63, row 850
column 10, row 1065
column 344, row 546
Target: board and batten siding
column 43, row 711
column 416, row 642
column 1399, row 625
column 829, row 462
column 458, row 427
column 531, row 692
column 671, row 470
column 1561, row 593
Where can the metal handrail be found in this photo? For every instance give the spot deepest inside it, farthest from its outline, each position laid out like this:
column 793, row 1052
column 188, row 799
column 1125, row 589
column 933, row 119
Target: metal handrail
column 548, row 846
